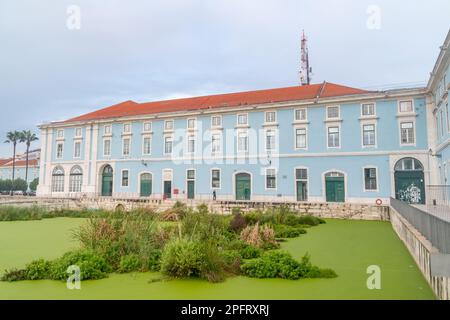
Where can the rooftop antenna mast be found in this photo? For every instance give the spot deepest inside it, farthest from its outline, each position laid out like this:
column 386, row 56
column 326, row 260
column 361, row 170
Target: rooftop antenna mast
column 305, row 69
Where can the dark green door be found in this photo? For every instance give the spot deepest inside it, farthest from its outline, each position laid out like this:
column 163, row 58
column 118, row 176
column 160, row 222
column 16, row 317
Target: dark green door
column 243, row 185
column 302, row 191
column 190, row 189
column 146, row 185
column 107, row 182
column 410, row 186
column 168, row 189
column 335, row 189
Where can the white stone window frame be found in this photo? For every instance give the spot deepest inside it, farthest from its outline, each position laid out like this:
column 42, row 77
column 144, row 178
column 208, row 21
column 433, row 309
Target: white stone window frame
column 104, row 149
column 241, row 124
column 364, row 178
column 333, row 118
column 166, row 122
column 275, row 117
column 399, row 111
column 220, row 135
column 194, row 120
column 295, row 137
column 125, row 125
column 365, row 123
column 336, row 125
column 165, row 137
column 129, row 146
column 211, row 179
column 266, row 175
column 128, row 178
column 59, row 156
column 188, row 139
column 301, row 120
column 368, row 115
column 78, row 132
column 238, row 134
column 407, row 120
column 274, row 133
column 147, row 136
column 75, row 142
column 150, row 127
column 216, row 125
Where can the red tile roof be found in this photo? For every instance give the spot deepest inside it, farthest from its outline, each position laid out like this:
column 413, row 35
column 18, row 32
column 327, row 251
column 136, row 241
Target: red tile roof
column 19, row 163
column 131, row 108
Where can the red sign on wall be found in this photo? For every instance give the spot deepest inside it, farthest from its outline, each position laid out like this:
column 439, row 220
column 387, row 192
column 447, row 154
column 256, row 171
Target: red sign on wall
column 175, row 191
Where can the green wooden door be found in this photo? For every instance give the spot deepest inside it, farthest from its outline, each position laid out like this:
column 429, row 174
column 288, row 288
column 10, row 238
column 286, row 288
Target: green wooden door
column 146, row 185
column 243, row 186
column 335, row 189
column 302, row 191
column 107, row 184
column 190, row 189
column 168, row 189
column 410, row 186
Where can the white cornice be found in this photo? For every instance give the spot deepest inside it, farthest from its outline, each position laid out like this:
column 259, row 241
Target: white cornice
column 440, row 63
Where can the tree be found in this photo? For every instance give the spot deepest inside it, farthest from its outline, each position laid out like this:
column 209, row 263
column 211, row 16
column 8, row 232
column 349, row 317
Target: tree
column 20, row 185
column 28, row 138
column 14, row 137
column 34, row 184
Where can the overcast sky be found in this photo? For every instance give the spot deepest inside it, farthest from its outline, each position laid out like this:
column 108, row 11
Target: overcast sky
column 150, row 50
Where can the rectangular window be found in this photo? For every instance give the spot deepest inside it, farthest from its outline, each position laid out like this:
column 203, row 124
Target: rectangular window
column 242, row 119
column 442, row 122
column 60, row 133
column 407, row 132
column 301, row 184
column 59, row 150
column 405, row 106
column 333, row 137
column 216, row 121
column 147, row 147
column 271, row 117
column 270, row 179
column 168, row 125
column 77, row 150
column 215, row 178
column 78, row 132
column 191, row 174
column 370, row 178
column 126, row 147
column 368, row 109
column 126, row 128
column 107, row 129
column 368, row 135
column 333, row 112
column 107, row 147
column 215, row 143
column 191, row 123
column 242, row 142
column 147, row 127
column 124, row 178
column 300, row 138
column 191, row 144
column 448, row 117
column 270, row 140
column 300, row 114
column 168, row 145
column 301, row 174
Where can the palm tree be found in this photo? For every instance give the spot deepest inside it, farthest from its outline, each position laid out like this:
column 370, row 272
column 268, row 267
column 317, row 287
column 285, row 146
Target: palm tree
column 28, row 138
column 14, row 137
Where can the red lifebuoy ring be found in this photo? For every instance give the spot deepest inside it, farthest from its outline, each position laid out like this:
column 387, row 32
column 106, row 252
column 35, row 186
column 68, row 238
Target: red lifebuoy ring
column 379, row 202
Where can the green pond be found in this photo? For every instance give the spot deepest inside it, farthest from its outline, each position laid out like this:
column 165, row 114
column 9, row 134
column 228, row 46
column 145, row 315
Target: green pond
column 348, row 247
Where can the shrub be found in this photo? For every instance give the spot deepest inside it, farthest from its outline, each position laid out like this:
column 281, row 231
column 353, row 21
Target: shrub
column 12, row 213
column 38, row 270
column 250, row 252
column 154, row 260
column 260, row 237
column 129, row 263
column 182, row 258
column 14, row 275
column 286, row 231
column 235, row 210
column 253, row 217
column 92, row 266
column 232, row 261
column 237, row 223
column 34, row 184
column 202, row 209
column 310, row 220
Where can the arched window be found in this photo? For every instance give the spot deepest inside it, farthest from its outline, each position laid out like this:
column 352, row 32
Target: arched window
column 58, row 180
column 408, row 164
column 75, row 179
column 334, row 174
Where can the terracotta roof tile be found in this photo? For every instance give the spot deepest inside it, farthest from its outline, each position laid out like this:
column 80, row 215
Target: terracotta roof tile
column 131, row 108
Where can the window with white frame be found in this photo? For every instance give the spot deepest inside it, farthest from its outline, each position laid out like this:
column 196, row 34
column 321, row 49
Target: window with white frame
column 107, row 147
column 407, row 132
column 58, row 180
column 448, row 117
column 405, row 106
column 60, row 133
column 77, row 149
column 270, row 140
column 78, row 132
column 369, row 136
column 59, row 150
column 271, row 179
column 125, row 181
column 333, row 137
column 191, row 123
column 242, row 142
column 168, row 125
column 75, row 179
column 126, row 146
column 300, row 138
column 147, row 146
column 301, row 178
column 215, row 178
column 126, row 128
column 107, row 129
column 168, row 144
column 300, row 114
column 368, row 109
column 442, row 122
column 215, row 143
column 333, row 112
column 147, row 126
column 370, row 179
column 242, row 119
column 216, row 121
column 271, row 117
column 191, row 144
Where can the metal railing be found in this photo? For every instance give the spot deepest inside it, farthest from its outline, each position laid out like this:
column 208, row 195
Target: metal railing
column 438, row 202
column 432, row 227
